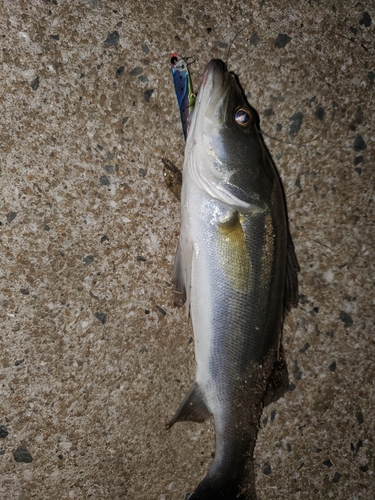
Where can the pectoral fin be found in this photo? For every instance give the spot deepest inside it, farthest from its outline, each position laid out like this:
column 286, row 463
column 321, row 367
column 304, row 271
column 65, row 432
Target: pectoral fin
column 233, row 253
column 192, row 408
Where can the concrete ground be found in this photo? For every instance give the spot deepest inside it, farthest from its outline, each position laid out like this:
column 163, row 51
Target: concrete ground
column 94, row 357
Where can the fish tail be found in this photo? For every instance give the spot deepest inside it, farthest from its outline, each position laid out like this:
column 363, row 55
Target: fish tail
column 215, row 489
column 231, row 475
column 227, row 484
column 209, row 489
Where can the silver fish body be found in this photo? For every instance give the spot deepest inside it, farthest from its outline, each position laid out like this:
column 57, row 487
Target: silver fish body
column 236, row 268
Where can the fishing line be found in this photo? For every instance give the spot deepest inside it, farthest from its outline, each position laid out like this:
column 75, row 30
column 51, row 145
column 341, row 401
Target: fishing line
column 189, row 60
column 328, row 85
column 351, row 39
column 328, row 126
column 231, row 44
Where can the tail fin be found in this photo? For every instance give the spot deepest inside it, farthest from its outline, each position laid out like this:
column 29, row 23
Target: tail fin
column 219, row 486
column 209, row 489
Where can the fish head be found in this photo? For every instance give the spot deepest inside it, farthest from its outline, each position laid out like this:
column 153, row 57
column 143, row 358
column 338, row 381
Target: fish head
column 224, row 151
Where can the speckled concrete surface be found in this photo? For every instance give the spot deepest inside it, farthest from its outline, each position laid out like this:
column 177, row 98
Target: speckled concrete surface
column 94, row 359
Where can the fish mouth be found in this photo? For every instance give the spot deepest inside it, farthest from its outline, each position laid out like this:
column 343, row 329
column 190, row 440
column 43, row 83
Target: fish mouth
column 216, row 80
column 214, row 73
column 211, row 105
column 214, row 91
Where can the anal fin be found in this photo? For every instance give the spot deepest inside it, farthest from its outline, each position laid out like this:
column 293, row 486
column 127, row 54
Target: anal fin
column 278, row 381
column 192, row 408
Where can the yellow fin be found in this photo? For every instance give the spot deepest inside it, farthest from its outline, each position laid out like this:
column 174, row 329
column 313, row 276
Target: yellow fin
column 233, row 253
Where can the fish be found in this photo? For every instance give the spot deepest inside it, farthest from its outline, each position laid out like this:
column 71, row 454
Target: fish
column 183, row 88
column 236, row 271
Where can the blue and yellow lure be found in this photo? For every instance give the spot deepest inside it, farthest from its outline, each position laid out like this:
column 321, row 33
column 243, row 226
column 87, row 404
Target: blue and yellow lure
column 184, row 89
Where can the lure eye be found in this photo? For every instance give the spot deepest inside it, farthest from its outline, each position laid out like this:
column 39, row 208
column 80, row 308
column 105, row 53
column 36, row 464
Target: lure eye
column 173, row 60
column 242, row 117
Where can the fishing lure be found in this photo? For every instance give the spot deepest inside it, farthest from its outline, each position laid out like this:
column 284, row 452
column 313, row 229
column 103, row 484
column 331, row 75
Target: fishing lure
column 184, row 89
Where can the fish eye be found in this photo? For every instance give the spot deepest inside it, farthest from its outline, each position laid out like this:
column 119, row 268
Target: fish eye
column 243, row 117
